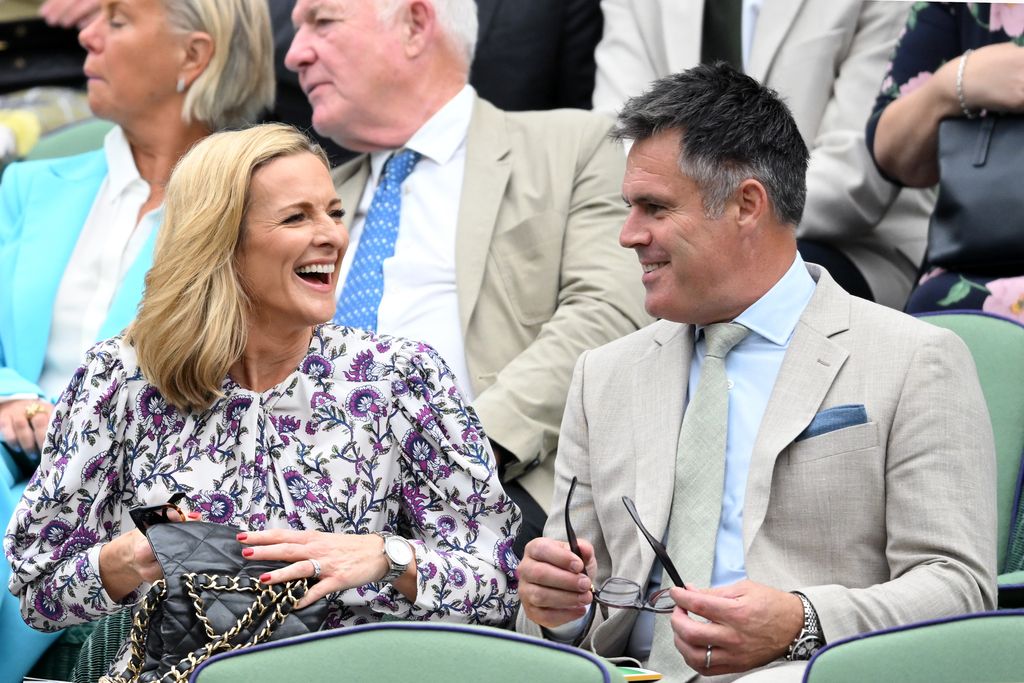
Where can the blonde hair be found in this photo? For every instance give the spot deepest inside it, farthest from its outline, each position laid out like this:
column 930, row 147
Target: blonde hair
column 238, row 83
column 193, row 320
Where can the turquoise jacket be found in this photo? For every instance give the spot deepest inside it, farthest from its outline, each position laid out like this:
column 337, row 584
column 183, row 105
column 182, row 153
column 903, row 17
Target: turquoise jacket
column 43, row 207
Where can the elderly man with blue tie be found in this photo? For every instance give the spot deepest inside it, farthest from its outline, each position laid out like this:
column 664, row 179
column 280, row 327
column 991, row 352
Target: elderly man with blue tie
column 489, row 235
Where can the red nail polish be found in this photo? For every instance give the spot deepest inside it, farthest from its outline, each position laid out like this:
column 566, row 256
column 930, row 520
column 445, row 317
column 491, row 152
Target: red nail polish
column 247, row 552
column 264, row 578
column 242, row 536
column 195, row 514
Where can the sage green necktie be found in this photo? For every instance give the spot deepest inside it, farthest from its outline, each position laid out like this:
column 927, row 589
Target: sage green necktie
column 697, row 494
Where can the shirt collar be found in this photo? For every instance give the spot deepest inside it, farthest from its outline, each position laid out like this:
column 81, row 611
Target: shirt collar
column 121, row 169
column 774, row 316
column 440, row 137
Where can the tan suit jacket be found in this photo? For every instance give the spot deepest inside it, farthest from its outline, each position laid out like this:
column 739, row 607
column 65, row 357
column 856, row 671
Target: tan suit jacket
column 539, row 272
column 827, row 59
column 882, row 523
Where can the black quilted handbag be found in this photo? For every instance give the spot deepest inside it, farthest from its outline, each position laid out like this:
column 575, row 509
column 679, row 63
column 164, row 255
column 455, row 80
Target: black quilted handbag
column 210, row 600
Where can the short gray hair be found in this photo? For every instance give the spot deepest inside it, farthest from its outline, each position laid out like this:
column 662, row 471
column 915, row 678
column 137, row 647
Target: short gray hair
column 458, row 21
column 731, row 128
column 238, row 83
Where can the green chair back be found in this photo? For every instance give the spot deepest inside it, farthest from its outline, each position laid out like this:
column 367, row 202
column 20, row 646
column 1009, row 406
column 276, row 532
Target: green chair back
column 101, row 647
column 997, row 345
column 424, row 652
column 981, row 648
column 75, row 138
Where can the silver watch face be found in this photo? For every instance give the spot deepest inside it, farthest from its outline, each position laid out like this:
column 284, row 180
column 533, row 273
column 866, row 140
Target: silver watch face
column 398, row 551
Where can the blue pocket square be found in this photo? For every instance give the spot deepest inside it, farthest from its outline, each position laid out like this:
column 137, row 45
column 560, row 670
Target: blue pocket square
column 831, row 419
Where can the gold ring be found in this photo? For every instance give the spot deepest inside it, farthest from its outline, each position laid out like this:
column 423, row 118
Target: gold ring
column 33, row 409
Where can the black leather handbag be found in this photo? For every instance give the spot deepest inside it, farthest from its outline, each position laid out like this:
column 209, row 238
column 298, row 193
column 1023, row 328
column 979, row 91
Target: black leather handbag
column 978, row 222
column 210, row 600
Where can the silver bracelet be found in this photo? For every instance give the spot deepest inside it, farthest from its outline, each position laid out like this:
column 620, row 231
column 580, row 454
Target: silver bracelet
column 960, row 85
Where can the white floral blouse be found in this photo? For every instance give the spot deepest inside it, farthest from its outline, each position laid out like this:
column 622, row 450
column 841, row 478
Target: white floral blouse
column 368, row 434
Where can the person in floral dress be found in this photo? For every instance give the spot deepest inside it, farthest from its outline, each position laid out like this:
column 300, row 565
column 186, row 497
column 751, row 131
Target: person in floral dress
column 919, row 90
column 311, row 438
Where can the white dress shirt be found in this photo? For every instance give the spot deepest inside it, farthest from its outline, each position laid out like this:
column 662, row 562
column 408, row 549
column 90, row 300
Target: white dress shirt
column 420, row 299
column 106, row 248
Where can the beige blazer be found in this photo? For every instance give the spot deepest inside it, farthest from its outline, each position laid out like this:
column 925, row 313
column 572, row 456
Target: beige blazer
column 539, row 272
column 827, row 59
column 881, row 523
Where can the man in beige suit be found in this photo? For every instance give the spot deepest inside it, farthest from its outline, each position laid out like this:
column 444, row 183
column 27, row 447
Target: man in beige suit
column 827, row 59
column 855, row 462
column 506, row 258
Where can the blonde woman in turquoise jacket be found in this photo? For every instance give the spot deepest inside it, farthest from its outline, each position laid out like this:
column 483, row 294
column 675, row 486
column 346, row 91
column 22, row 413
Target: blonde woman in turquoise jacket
column 77, row 234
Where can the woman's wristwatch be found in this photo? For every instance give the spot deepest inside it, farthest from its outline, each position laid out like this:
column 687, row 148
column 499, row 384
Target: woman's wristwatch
column 811, row 638
column 399, row 554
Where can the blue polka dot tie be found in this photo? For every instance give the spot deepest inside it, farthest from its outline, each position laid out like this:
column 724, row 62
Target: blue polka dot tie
column 360, row 297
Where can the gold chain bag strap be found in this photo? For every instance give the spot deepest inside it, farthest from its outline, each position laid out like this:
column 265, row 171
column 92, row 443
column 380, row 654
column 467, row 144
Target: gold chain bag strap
column 210, row 600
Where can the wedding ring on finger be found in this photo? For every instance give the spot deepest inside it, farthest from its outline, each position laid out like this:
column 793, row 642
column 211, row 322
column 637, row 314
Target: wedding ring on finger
column 316, row 568
column 707, row 658
column 33, row 409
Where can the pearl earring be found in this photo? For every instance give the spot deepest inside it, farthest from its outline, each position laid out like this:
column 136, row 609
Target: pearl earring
column 181, row 84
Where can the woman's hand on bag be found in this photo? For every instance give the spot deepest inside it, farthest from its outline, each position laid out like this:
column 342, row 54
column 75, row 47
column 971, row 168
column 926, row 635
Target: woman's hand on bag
column 994, row 78
column 346, row 560
column 126, row 562
column 23, row 423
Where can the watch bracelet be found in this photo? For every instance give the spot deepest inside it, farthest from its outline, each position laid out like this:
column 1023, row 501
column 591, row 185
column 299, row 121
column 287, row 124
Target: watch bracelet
column 393, row 572
column 810, row 630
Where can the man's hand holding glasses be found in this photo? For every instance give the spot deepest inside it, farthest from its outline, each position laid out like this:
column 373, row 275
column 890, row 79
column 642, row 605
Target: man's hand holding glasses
column 555, row 589
column 748, row 624
column 554, row 583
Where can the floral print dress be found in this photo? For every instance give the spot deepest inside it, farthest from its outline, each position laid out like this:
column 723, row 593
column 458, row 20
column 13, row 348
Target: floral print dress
column 368, row 434
column 937, row 32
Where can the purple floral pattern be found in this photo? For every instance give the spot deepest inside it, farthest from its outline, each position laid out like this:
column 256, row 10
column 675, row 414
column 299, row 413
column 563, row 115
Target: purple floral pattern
column 368, row 434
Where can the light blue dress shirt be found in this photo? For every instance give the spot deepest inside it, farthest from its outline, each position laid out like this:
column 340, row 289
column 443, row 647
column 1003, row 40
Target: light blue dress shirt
column 751, row 368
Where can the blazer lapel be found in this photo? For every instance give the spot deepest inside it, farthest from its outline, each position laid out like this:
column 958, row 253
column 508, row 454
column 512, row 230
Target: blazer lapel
column 350, row 180
column 662, row 376
column 774, row 22
column 808, row 370
column 488, row 167
column 45, row 250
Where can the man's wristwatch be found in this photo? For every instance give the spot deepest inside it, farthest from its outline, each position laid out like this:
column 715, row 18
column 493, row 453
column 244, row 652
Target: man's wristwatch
column 811, row 638
column 399, row 554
